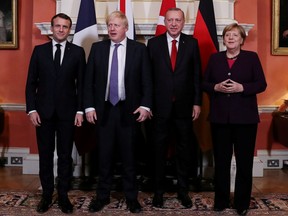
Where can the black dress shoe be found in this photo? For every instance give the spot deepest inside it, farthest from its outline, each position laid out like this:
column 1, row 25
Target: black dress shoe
column 43, row 205
column 242, row 211
column 157, row 201
column 219, row 209
column 185, row 200
column 65, row 205
column 98, row 204
column 134, row 206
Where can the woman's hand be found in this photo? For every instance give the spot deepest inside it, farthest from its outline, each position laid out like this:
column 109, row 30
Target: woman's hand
column 229, row 86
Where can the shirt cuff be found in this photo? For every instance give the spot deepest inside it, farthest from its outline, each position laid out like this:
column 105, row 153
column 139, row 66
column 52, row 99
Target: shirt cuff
column 146, row 108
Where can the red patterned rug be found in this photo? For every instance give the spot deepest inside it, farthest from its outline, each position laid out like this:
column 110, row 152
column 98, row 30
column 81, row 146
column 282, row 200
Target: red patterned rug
column 24, row 204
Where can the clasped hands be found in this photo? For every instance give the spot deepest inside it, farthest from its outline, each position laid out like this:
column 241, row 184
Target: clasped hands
column 229, row 86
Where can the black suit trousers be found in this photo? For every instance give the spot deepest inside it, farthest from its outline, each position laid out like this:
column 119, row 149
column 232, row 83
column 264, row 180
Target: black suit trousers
column 55, row 132
column 184, row 147
column 238, row 139
column 116, row 137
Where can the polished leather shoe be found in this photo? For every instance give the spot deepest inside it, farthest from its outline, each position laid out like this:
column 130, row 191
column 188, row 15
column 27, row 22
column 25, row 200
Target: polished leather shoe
column 43, row 205
column 219, row 209
column 185, row 200
column 242, row 211
column 157, row 201
column 65, row 205
column 98, row 204
column 134, row 206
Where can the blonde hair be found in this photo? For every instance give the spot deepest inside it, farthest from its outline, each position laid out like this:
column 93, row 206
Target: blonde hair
column 235, row 26
column 117, row 14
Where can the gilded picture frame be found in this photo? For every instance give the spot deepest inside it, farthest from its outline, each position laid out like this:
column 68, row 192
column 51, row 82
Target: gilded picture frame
column 280, row 27
column 8, row 24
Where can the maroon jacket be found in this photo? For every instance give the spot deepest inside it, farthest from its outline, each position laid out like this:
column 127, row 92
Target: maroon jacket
column 235, row 108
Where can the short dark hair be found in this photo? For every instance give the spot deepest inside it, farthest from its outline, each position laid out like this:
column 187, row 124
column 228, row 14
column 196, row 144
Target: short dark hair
column 63, row 16
column 176, row 9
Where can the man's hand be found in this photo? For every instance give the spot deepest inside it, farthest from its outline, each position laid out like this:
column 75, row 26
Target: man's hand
column 91, row 116
column 35, row 119
column 196, row 112
column 78, row 120
column 143, row 114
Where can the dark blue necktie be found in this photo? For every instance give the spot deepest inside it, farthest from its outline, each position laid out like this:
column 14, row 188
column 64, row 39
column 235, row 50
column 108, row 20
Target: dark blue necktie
column 57, row 57
column 113, row 87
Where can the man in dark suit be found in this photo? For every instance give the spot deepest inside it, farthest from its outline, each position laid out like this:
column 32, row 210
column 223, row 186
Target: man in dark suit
column 54, row 104
column 117, row 112
column 177, row 98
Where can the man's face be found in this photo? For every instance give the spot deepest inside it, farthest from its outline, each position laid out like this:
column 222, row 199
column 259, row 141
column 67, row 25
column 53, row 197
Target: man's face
column 116, row 29
column 174, row 22
column 60, row 29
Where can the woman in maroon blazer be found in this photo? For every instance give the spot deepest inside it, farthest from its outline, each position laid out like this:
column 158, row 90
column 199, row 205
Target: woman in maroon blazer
column 232, row 80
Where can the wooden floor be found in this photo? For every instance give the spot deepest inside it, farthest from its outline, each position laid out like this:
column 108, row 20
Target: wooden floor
column 11, row 178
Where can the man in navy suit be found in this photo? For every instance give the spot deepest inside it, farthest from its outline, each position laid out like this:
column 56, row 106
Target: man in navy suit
column 54, row 105
column 117, row 119
column 177, row 101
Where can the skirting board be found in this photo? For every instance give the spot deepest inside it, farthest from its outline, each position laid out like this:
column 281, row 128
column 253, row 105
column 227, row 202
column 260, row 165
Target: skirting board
column 13, row 156
column 30, row 162
column 273, row 159
column 31, row 166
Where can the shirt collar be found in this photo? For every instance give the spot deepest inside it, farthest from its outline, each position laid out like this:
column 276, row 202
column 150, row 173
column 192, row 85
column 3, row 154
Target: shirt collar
column 123, row 42
column 170, row 39
column 63, row 44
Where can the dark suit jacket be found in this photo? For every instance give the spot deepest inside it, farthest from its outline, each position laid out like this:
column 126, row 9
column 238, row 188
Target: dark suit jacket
column 239, row 108
column 48, row 91
column 184, row 84
column 138, row 83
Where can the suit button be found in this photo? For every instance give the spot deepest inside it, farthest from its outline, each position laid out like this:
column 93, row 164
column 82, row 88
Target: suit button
column 228, row 95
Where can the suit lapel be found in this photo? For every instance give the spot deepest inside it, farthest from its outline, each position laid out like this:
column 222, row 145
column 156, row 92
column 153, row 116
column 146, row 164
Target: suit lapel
column 164, row 48
column 67, row 53
column 106, row 52
column 181, row 51
column 49, row 51
column 129, row 56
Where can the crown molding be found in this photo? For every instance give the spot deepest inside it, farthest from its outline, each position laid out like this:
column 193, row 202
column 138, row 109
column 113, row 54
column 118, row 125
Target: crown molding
column 145, row 29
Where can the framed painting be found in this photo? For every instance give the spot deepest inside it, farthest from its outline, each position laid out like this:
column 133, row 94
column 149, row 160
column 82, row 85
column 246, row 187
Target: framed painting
column 8, row 24
column 280, row 27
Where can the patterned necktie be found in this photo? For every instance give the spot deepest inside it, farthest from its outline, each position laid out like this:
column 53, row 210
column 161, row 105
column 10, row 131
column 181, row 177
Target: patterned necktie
column 57, row 57
column 173, row 54
column 113, row 88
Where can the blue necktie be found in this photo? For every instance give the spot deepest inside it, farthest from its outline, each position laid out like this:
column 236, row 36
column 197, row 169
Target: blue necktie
column 57, row 57
column 113, row 88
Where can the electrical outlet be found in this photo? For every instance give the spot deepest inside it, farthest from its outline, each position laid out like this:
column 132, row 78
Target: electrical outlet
column 3, row 161
column 16, row 160
column 273, row 163
column 285, row 164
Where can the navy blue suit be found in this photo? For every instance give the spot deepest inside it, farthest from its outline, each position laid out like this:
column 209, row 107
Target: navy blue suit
column 56, row 96
column 117, row 125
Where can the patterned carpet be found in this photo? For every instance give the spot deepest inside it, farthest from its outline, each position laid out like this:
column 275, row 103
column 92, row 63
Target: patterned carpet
column 24, row 204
